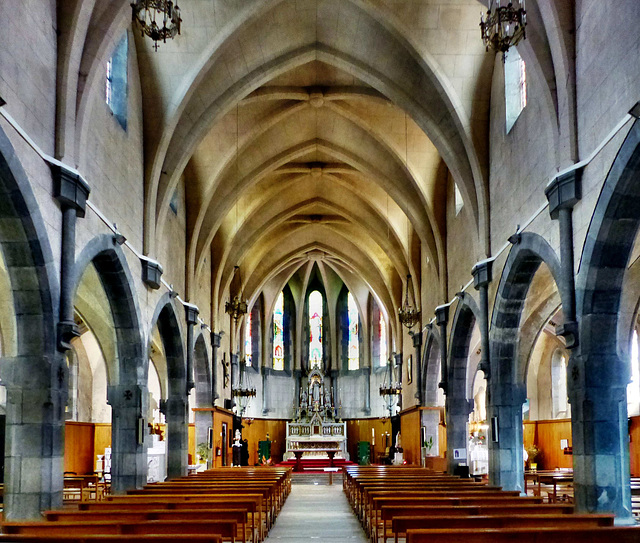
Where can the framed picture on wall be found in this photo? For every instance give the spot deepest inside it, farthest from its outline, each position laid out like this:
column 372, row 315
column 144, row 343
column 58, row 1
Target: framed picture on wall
column 410, row 369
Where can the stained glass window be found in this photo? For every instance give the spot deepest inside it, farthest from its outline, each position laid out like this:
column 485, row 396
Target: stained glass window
column 382, row 335
column 354, row 344
column 315, row 329
column 248, row 344
column 278, row 334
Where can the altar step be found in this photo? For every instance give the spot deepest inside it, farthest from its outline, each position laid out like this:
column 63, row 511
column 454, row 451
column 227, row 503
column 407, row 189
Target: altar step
column 313, row 464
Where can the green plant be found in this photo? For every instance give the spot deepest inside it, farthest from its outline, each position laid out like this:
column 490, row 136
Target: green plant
column 533, row 451
column 203, row 451
column 428, row 444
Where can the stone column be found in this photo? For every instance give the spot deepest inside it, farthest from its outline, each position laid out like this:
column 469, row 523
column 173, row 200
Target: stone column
column 34, row 447
column 72, row 192
column 234, row 372
column 128, row 453
column 367, row 390
column 191, row 315
column 563, row 193
column 397, row 359
column 442, row 318
column 175, row 412
column 215, row 345
column 482, row 276
column 417, row 345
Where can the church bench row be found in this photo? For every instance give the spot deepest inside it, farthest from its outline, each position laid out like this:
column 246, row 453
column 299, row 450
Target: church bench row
column 374, row 519
column 271, row 504
column 400, row 525
column 239, row 515
column 225, row 528
column 108, row 538
column 540, row 534
column 389, row 512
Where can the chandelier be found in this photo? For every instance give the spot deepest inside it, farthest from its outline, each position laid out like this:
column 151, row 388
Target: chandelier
column 390, row 390
column 243, row 392
column 146, row 13
column 409, row 315
column 504, row 26
column 237, row 307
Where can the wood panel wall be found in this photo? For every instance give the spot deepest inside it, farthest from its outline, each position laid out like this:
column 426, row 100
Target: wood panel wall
column 256, row 430
column 220, row 416
column 79, row 447
column 410, row 430
column 361, row 430
column 547, row 434
column 634, row 445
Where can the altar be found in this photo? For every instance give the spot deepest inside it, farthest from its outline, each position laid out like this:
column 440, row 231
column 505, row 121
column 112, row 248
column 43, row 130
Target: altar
column 316, row 431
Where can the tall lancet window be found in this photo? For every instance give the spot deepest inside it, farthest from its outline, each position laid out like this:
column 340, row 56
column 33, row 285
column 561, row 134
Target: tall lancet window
column 382, row 334
column 315, row 329
column 248, row 345
column 278, row 334
column 354, row 344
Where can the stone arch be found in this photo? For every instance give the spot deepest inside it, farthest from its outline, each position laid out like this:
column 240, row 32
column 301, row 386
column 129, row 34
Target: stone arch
column 458, row 404
column 507, row 386
column 175, row 407
column 599, row 370
column 35, row 376
column 202, row 367
column 431, row 367
column 127, row 390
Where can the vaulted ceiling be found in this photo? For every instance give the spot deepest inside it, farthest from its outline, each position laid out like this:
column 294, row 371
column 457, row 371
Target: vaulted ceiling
column 310, row 130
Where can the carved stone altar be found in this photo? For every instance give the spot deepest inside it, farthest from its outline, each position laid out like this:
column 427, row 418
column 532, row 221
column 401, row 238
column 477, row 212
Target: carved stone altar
column 317, row 431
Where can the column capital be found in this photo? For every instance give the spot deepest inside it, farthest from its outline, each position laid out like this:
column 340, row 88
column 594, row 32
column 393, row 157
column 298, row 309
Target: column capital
column 442, row 314
column 564, row 192
column 151, row 272
column 417, row 339
column 70, row 189
column 482, row 273
column 191, row 313
column 216, row 338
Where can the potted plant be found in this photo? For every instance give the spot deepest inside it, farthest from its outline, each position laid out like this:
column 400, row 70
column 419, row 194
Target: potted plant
column 533, row 452
column 203, row 452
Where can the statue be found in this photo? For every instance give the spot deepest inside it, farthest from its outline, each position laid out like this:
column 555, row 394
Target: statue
column 303, row 398
column 327, row 398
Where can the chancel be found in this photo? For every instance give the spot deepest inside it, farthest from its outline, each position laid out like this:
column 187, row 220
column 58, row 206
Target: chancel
column 253, row 248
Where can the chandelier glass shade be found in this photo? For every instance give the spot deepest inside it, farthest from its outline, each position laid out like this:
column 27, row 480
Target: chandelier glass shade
column 504, row 25
column 158, row 19
column 236, row 307
column 243, row 392
column 408, row 314
column 390, row 390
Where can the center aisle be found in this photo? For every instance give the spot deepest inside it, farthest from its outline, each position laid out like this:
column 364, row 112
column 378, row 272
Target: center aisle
column 316, row 512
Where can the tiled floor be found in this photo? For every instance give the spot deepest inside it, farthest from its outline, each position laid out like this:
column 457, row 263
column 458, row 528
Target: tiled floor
column 316, row 513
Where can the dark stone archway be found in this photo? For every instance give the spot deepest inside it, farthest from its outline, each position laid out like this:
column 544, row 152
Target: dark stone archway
column 598, row 371
column 457, row 405
column 35, row 375
column 203, row 388
column 175, row 406
column 128, row 396
column 431, row 367
column 506, row 387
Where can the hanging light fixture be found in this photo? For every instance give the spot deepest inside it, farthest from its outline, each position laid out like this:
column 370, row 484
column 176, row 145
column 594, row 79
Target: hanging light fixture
column 236, row 307
column 147, row 14
column 390, row 390
column 409, row 315
column 243, row 392
column 504, row 25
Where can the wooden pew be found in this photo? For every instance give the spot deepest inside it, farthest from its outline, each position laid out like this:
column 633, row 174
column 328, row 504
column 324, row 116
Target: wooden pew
column 253, row 503
column 102, row 538
column 389, row 512
column 226, row 528
column 402, row 524
column 611, row 534
column 142, row 515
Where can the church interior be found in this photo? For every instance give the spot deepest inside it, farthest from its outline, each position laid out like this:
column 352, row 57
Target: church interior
column 311, row 234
